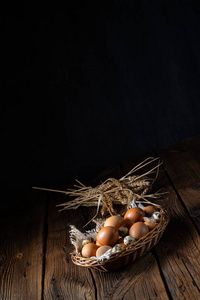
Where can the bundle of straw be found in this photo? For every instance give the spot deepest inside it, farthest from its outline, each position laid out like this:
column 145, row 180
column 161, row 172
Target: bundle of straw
column 114, row 191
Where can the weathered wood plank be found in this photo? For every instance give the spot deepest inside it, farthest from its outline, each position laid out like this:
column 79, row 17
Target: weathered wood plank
column 63, row 279
column 178, row 250
column 21, row 246
column 140, row 280
column 182, row 162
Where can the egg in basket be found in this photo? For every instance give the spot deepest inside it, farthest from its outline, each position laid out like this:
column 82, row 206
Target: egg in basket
column 118, row 241
column 121, row 238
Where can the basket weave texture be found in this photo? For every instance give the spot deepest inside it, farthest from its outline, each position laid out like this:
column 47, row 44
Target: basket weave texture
column 125, row 257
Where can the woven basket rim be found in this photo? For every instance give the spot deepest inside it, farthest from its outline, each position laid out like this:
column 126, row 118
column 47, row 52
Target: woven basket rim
column 150, row 237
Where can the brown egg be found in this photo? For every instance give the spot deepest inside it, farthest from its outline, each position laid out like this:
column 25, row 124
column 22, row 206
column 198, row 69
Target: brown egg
column 151, row 225
column 99, row 245
column 89, row 250
column 101, row 250
column 149, row 210
column 107, row 236
column 113, row 221
column 134, row 214
column 138, row 230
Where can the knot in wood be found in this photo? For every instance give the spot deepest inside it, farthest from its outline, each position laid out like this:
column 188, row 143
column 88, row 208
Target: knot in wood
column 19, row 255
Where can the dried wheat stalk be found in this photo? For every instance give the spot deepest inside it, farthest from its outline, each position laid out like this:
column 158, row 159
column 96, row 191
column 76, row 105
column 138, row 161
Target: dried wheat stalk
column 113, row 191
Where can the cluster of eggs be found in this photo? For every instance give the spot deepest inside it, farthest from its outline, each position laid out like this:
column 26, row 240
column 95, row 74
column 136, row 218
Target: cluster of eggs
column 118, row 232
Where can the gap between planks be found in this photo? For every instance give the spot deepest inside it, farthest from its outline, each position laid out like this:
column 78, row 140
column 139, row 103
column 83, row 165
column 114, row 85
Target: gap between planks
column 45, row 235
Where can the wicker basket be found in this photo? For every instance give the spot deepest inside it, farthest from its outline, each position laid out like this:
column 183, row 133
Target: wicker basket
column 123, row 258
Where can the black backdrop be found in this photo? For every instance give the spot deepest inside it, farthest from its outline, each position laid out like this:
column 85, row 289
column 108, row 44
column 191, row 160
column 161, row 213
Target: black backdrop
column 88, row 86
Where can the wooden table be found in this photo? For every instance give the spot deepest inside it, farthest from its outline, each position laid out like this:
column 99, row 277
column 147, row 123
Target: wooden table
column 35, row 249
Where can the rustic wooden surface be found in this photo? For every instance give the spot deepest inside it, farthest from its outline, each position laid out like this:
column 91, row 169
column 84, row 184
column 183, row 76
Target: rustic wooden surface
column 35, row 249
column 22, row 246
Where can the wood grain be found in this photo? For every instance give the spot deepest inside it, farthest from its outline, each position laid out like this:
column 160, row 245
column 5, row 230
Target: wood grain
column 179, row 249
column 21, row 247
column 141, row 280
column 63, row 279
column 182, row 163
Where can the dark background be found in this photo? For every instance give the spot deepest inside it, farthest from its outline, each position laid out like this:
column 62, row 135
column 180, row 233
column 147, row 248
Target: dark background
column 87, row 86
